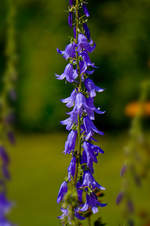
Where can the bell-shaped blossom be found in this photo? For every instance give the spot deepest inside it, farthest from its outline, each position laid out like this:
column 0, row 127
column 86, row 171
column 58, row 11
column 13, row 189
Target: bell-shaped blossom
column 5, row 222
column 81, row 104
column 5, row 205
column 70, row 19
column 69, row 51
column 69, row 73
column 72, row 168
column 92, row 109
column 84, row 44
column 71, row 141
column 87, row 31
column 62, row 191
column 119, row 198
column 86, row 12
column 91, row 152
column 5, row 171
column 71, row 2
column 91, row 203
column 85, row 63
column 64, row 214
column 69, row 122
column 70, row 101
column 90, row 128
column 79, row 191
column 4, row 155
column 84, row 162
column 89, row 181
column 92, row 88
column 78, row 215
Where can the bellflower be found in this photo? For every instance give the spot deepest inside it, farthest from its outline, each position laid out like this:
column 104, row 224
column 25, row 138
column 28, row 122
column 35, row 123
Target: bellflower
column 89, row 181
column 77, row 192
column 84, row 44
column 69, row 51
column 70, row 74
column 92, row 203
column 92, row 88
column 70, row 101
column 64, row 214
column 86, row 12
column 72, row 168
column 71, row 141
column 90, row 128
column 70, row 19
column 69, row 122
column 87, row 31
column 91, row 152
column 62, row 191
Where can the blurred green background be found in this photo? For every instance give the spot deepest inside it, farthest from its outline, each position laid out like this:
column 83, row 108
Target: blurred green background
column 121, row 30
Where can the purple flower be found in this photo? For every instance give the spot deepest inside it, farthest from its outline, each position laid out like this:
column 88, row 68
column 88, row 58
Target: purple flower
column 92, row 88
column 5, row 171
column 71, row 2
column 70, row 101
column 71, row 141
column 80, row 104
column 79, row 191
column 80, row 121
column 92, row 203
column 130, row 206
column 84, row 44
column 5, row 222
column 4, row 155
column 70, row 74
column 87, row 31
column 69, row 51
column 70, row 19
column 74, row 32
column 64, row 213
column 119, row 198
column 72, row 168
column 89, row 181
column 90, row 128
column 5, row 205
column 92, row 108
column 62, row 191
column 123, row 170
column 86, row 12
column 91, row 152
column 78, row 215
column 69, row 122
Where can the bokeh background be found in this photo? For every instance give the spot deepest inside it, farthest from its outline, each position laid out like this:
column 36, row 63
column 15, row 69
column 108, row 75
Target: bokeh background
column 121, row 30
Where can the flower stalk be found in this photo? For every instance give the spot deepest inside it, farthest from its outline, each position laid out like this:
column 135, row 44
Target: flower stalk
column 78, row 193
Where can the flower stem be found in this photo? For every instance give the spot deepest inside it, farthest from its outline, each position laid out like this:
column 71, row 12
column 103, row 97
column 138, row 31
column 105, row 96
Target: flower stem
column 79, row 89
column 89, row 221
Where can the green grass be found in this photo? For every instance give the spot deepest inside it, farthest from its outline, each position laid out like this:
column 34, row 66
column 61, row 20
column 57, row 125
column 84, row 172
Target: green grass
column 38, row 167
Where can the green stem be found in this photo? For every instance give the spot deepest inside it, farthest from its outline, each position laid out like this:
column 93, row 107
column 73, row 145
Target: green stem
column 89, row 221
column 79, row 89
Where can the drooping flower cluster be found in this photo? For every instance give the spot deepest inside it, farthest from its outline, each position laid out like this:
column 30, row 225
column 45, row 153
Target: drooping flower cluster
column 83, row 200
column 7, row 97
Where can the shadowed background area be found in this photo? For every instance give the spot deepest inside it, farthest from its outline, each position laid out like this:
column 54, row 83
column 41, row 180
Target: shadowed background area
column 121, row 30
